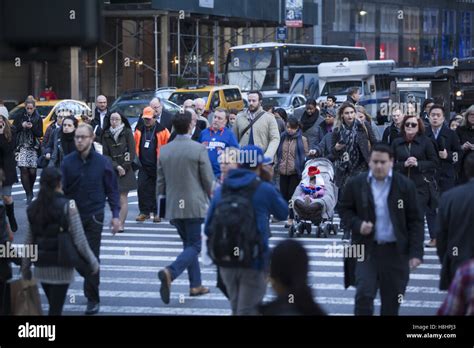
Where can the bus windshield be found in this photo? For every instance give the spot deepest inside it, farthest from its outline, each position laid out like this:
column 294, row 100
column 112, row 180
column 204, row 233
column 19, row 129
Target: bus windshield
column 250, row 73
column 339, row 87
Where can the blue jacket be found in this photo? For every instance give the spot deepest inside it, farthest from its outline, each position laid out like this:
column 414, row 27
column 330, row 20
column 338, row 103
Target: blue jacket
column 216, row 142
column 90, row 182
column 266, row 200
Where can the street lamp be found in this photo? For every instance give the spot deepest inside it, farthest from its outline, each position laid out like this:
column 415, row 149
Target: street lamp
column 362, row 12
column 100, row 61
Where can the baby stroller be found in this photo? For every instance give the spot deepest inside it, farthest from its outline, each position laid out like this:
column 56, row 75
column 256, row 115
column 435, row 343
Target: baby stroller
column 314, row 199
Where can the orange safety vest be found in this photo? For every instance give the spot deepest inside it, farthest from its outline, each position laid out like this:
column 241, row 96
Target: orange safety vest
column 162, row 138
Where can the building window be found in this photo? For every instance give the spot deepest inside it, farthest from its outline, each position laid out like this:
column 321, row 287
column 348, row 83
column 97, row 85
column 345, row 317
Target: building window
column 365, row 18
column 448, row 46
column 342, row 18
column 388, row 47
column 368, row 42
column 465, row 40
column 429, row 54
column 411, row 20
column 430, row 21
column 389, row 19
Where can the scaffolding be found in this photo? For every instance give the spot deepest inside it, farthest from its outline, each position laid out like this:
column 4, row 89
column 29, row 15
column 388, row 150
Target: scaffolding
column 152, row 49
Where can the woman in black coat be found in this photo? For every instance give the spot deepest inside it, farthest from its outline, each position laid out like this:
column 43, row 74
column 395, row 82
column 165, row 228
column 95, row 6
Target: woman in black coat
column 8, row 165
column 352, row 141
column 119, row 145
column 29, row 130
column 6, row 237
column 416, row 157
column 465, row 133
column 63, row 141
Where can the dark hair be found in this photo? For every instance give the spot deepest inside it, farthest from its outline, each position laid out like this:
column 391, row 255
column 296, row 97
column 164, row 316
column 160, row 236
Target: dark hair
column 426, row 102
column 233, row 111
column 421, row 126
column 352, row 90
column 452, row 121
column 382, row 147
column 333, row 98
column 293, row 275
column 182, row 121
column 73, row 119
column 282, row 113
column 293, row 123
column 7, row 132
column 311, row 101
column 40, row 210
column 260, row 97
column 469, row 165
column 436, row 106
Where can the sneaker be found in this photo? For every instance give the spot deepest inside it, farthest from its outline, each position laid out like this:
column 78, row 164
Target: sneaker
column 156, row 219
column 142, row 217
column 431, row 244
column 92, row 308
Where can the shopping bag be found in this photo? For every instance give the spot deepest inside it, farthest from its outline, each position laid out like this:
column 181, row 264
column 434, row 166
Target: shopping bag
column 25, row 297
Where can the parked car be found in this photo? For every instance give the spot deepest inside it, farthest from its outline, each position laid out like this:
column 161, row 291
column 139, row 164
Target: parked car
column 47, row 110
column 292, row 103
column 141, row 94
column 133, row 108
column 225, row 96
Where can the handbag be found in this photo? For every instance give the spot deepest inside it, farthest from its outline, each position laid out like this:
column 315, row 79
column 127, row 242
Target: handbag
column 25, row 298
column 433, row 191
column 42, row 162
column 68, row 256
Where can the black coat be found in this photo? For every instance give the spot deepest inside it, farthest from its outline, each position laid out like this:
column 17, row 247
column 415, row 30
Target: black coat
column 448, row 140
column 357, row 205
column 390, row 134
column 98, row 130
column 7, row 160
column 166, row 119
column 455, row 238
column 465, row 133
column 37, row 128
column 364, row 136
column 423, row 150
column 195, row 136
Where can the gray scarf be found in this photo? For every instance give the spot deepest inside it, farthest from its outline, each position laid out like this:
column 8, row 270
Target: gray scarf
column 116, row 131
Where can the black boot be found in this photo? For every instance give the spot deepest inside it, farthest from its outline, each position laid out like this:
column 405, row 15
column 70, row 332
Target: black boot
column 11, row 216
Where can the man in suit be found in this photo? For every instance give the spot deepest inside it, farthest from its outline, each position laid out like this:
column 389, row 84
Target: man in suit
column 185, row 177
column 161, row 115
column 455, row 242
column 447, row 147
column 381, row 209
column 196, row 125
column 101, row 117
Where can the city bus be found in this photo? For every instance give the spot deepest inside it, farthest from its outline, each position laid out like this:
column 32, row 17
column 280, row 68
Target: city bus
column 283, row 68
column 372, row 77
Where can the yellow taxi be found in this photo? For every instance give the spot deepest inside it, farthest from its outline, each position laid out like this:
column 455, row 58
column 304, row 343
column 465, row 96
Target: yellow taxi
column 47, row 110
column 224, row 96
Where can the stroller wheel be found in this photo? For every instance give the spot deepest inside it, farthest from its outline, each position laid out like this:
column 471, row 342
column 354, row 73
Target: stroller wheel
column 308, row 228
column 291, row 231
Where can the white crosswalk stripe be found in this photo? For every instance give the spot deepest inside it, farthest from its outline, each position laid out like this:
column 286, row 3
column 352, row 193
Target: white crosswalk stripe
column 130, row 262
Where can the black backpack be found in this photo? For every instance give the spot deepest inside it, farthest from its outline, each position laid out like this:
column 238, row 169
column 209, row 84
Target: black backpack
column 234, row 240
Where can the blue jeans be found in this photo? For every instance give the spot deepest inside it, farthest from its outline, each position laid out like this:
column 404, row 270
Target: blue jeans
column 190, row 232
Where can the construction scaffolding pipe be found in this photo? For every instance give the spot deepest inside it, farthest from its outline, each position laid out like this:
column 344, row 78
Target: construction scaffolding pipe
column 156, row 50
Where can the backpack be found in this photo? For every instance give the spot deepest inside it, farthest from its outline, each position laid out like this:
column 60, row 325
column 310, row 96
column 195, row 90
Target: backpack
column 234, row 240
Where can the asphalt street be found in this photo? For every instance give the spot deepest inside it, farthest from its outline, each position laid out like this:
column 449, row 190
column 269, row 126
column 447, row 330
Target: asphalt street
column 130, row 262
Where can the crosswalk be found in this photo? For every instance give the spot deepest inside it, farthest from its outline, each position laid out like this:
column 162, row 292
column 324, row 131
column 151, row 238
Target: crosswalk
column 130, row 262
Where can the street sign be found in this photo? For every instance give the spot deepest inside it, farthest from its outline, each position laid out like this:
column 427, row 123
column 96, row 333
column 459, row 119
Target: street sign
column 281, row 34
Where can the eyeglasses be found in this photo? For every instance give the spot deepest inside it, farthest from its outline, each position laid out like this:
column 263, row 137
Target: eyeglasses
column 411, row 125
column 81, row 137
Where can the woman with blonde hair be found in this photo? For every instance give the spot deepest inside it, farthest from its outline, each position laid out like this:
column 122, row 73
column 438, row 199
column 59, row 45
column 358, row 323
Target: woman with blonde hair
column 363, row 115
